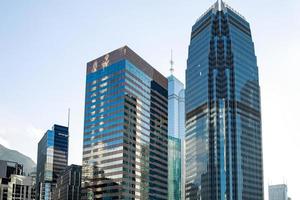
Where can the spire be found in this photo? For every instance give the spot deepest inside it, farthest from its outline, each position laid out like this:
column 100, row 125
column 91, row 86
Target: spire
column 69, row 117
column 171, row 62
column 220, row 2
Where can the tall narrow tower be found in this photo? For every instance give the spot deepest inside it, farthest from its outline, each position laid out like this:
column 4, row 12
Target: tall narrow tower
column 176, row 130
column 223, row 118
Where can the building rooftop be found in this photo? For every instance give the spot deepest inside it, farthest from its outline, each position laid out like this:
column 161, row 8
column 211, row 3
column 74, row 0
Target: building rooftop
column 220, row 6
column 126, row 53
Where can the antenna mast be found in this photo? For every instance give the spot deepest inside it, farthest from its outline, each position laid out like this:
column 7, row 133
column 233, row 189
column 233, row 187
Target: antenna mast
column 172, row 63
column 220, row 5
column 68, row 117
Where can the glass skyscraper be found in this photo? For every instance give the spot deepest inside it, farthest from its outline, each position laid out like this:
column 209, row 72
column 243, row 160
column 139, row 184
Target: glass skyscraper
column 176, row 131
column 223, row 118
column 125, row 147
column 52, row 159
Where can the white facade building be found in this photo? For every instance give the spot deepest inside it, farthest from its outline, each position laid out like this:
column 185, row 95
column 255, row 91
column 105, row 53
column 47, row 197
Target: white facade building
column 21, row 188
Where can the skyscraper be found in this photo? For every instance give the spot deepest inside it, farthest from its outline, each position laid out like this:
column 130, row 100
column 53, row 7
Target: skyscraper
column 52, row 159
column 125, row 147
column 223, row 118
column 176, row 131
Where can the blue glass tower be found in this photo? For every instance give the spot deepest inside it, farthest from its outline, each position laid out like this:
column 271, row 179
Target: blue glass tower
column 125, row 146
column 223, row 118
column 176, row 131
column 52, row 159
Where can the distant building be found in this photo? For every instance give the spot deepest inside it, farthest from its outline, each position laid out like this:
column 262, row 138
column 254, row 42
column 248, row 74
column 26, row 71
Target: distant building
column 33, row 173
column 52, row 159
column 176, row 130
column 21, row 187
column 278, row 192
column 68, row 185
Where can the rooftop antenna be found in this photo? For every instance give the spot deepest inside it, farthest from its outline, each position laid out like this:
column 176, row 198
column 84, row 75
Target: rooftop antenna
column 68, row 117
column 172, row 63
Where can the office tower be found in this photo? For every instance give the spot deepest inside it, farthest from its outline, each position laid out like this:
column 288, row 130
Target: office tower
column 176, row 131
column 223, row 118
column 52, row 159
column 278, row 192
column 21, row 187
column 125, row 148
column 68, row 184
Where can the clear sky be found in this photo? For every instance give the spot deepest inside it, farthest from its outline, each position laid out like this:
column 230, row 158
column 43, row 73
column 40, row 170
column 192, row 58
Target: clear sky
column 45, row 45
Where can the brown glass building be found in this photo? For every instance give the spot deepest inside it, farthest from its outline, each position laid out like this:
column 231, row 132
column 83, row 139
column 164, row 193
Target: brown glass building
column 125, row 130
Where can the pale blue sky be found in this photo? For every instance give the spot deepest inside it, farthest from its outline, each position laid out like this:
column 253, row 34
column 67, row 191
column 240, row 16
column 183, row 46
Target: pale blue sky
column 45, row 45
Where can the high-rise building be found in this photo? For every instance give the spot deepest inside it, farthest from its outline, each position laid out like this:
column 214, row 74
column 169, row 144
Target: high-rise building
column 176, row 131
column 223, row 118
column 68, row 184
column 125, row 148
column 52, row 159
column 278, row 192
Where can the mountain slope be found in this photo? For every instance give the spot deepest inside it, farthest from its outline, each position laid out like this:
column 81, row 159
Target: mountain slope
column 12, row 155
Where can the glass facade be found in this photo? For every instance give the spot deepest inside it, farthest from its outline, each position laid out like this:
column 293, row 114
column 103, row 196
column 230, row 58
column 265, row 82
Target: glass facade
column 52, row 159
column 223, row 120
column 125, row 144
column 175, row 168
column 176, row 131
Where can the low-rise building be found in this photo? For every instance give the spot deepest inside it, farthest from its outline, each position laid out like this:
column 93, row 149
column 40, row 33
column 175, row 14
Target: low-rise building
column 13, row 184
column 21, row 187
